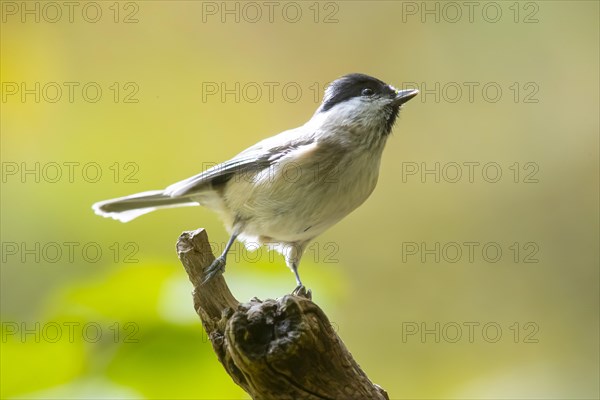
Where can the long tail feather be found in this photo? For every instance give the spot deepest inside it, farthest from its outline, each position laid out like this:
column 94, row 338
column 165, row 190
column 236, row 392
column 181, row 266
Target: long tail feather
column 126, row 208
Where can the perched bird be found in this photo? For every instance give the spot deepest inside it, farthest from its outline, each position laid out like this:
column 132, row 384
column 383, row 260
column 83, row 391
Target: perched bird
column 287, row 189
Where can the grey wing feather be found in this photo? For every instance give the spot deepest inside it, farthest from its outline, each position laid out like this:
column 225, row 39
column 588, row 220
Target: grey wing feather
column 218, row 173
column 253, row 159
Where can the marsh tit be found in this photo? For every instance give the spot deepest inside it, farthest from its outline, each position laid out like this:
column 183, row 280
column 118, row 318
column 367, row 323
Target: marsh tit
column 287, row 189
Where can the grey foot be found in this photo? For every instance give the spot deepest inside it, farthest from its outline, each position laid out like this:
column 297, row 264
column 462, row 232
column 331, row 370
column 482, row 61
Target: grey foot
column 301, row 291
column 216, row 268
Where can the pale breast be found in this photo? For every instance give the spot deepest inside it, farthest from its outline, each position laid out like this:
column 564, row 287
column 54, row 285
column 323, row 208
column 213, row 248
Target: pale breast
column 305, row 193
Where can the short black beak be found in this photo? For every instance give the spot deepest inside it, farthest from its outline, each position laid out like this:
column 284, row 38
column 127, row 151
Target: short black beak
column 402, row 96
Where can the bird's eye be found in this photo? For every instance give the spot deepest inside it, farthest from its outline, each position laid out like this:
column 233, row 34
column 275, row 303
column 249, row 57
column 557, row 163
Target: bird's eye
column 367, row 92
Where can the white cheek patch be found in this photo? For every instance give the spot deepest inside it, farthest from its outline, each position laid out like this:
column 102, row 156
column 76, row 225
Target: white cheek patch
column 352, row 108
column 356, row 110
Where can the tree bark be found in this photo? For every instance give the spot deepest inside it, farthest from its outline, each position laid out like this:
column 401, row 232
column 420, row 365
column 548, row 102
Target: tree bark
column 274, row 349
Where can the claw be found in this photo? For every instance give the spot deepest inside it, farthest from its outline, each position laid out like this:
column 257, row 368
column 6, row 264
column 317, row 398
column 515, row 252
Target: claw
column 216, row 268
column 301, row 291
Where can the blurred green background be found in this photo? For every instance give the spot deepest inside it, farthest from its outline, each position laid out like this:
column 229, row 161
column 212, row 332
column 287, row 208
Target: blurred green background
column 95, row 308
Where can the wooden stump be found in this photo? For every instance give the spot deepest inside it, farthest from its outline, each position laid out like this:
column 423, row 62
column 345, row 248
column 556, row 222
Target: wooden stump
column 274, row 349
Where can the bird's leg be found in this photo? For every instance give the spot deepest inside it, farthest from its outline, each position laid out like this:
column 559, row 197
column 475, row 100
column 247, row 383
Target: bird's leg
column 218, row 266
column 299, row 284
column 293, row 262
column 300, row 290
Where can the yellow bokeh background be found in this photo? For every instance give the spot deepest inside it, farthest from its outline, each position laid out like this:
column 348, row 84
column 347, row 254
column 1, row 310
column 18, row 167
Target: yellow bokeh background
column 120, row 324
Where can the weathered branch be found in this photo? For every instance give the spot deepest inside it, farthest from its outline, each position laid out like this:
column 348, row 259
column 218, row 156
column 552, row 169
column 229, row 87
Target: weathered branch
column 274, row 349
